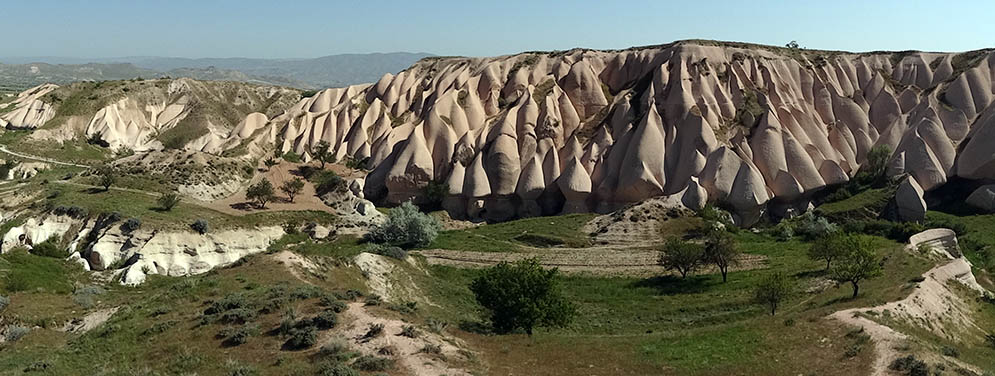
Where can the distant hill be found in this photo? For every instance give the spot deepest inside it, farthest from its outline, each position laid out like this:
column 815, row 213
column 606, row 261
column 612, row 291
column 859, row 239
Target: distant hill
column 321, row 72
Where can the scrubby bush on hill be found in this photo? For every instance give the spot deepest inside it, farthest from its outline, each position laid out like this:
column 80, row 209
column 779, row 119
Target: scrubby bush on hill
column 200, row 226
column 405, row 227
column 522, row 295
column 131, row 224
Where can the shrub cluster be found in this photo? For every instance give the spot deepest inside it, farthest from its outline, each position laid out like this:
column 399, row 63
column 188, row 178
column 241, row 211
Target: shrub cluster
column 387, row 250
column 405, row 227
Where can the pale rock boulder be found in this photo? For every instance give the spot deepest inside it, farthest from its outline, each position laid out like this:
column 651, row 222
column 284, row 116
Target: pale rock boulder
column 29, row 110
column 187, row 253
column 37, row 230
column 575, row 184
column 983, row 198
column 909, row 201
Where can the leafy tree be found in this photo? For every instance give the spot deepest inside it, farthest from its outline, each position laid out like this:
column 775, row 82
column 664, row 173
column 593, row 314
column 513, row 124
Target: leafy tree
column 772, row 290
column 722, row 251
column 167, row 201
column 522, row 295
column 292, row 187
column 857, row 264
column 405, row 227
column 322, row 153
column 270, row 162
column 683, row 256
column 261, row 193
column 107, row 176
column 831, row 247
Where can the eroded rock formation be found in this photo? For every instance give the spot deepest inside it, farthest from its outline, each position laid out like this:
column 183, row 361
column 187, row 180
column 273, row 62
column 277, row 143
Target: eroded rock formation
column 756, row 128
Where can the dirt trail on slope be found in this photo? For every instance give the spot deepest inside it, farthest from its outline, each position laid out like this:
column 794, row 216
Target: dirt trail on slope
column 932, row 306
column 409, row 353
column 3, row 148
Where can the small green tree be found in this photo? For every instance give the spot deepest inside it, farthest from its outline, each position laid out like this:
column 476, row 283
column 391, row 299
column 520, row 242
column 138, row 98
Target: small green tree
column 270, row 162
column 683, row 256
column 292, row 188
column 321, row 152
column 722, row 251
column 522, row 295
column 260, row 193
column 857, row 264
column 772, row 290
column 106, row 176
column 167, row 201
column 831, row 247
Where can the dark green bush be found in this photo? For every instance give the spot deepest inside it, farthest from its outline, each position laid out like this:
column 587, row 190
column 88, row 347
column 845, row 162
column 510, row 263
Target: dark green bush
column 910, row 365
column 522, row 295
column 372, row 363
column 303, row 337
column 325, row 319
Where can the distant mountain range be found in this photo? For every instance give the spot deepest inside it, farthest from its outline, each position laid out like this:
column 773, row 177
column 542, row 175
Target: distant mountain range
column 321, row 72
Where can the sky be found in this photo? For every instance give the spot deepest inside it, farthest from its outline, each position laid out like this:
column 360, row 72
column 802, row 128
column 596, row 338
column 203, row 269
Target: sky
column 312, row 28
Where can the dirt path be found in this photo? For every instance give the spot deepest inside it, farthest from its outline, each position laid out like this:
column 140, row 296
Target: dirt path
column 605, row 261
column 929, row 306
column 3, row 148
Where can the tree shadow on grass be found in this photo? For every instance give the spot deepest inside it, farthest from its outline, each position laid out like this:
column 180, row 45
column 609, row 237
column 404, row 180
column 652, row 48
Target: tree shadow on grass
column 94, row 190
column 675, row 285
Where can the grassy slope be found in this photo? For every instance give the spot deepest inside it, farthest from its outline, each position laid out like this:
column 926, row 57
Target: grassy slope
column 661, row 325
column 158, row 329
column 665, row 325
column 144, row 207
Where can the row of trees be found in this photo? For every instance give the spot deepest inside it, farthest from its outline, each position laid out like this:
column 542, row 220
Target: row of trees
column 849, row 259
column 685, row 257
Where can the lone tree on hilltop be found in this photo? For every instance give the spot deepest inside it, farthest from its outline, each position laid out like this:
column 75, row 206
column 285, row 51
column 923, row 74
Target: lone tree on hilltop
column 722, row 251
column 260, row 193
column 683, row 256
column 321, row 153
column 773, row 289
column 857, row 264
column 292, row 188
column 522, row 295
column 107, row 176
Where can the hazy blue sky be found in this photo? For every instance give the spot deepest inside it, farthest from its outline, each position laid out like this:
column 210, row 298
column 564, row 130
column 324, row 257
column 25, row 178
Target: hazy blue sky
column 310, row 28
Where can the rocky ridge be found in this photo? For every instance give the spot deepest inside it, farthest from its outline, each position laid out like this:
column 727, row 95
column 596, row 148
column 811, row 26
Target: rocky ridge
column 755, row 128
